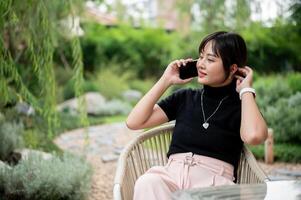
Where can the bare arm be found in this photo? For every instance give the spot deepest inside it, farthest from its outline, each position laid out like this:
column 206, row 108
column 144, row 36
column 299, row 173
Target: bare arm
column 146, row 113
column 253, row 129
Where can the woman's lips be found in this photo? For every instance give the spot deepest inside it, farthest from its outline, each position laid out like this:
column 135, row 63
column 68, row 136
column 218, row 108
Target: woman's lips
column 202, row 74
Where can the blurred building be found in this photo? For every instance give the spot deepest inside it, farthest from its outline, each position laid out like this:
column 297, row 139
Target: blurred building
column 152, row 13
column 96, row 13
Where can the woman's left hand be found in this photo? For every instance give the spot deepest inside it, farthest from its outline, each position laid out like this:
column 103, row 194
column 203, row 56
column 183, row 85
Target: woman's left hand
column 244, row 78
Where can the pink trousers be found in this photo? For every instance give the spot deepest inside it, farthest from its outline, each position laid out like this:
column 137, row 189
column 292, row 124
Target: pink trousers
column 183, row 171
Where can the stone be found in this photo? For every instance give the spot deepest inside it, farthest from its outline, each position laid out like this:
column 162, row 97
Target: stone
column 24, row 108
column 285, row 172
column 115, row 107
column 69, row 106
column 109, row 158
column 94, row 102
column 108, row 141
column 26, row 152
column 118, row 150
column 131, row 95
column 93, row 129
column 280, row 178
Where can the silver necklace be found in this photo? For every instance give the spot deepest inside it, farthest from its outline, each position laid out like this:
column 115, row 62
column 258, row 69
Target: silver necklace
column 206, row 124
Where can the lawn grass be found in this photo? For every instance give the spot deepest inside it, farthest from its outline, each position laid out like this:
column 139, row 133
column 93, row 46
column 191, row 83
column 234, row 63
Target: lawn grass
column 113, row 119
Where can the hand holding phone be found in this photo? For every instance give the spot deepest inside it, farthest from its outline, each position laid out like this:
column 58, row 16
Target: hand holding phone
column 189, row 70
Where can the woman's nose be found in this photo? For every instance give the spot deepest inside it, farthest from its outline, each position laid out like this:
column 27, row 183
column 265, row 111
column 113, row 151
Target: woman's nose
column 200, row 63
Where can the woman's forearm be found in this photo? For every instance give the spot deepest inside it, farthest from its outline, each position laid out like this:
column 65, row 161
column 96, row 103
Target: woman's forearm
column 253, row 126
column 144, row 108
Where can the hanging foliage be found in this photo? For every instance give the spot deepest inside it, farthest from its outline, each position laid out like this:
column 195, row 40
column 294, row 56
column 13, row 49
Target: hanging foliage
column 29, row 34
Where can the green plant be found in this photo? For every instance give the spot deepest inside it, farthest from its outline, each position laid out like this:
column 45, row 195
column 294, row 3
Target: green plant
column 284, row 117
column 294, row 81
column 38, row 139
column 2, row 118
column 288, row 153
column 258, row 151
column 32, row 138
column 111, row 82
column 115, row 118
column 63, row 74
column 10, row 138
column 88, row 86
column 66, row 177
column 146, row 51
column 273, row 49
column 69, row 122
column 270, row 89
column 26, row 54
column 283, row 152
column 141, row 85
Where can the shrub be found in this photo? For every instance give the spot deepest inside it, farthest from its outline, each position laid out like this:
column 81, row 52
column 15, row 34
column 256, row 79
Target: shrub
column 282, row 152
column 69, row 122
column 10, row 138
column 64, row 87
column 294, row 81
column 147, row 51
column 273, row 49
column 288, row 153
column 38, row 139
column 2, row 118
column 270, row 89
column 65, row 178
column 280, row 106
column 88, row 86
column 112, row 81
column 142, row 85
column 32, row 138
column 62, row 74
column 284, row 117
column 150, row 50
column 258, row 151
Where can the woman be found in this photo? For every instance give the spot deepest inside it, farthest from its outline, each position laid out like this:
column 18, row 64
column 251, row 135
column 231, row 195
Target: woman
column 212, row 122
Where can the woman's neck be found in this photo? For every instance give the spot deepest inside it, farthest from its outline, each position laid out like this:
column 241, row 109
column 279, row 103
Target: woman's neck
column 220, row 91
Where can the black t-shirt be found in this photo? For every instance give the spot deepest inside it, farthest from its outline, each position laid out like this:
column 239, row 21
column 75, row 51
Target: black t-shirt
column 221, row 140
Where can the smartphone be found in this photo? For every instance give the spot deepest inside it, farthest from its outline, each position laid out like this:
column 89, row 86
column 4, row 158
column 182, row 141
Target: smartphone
column 189, row 70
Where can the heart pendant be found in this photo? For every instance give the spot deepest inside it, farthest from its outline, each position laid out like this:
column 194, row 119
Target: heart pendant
column 206, row 125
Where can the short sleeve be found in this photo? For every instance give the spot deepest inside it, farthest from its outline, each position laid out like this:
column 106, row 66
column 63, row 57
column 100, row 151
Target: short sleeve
column 171, row 104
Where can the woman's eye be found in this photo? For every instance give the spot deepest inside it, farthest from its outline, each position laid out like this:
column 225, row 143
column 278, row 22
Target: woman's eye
column 210, row 60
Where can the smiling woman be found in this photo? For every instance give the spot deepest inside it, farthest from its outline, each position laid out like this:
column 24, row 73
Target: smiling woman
column 221, row 54
column 212, row 122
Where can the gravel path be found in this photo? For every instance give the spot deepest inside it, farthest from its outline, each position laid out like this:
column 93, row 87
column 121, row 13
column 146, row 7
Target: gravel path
column 105, row 144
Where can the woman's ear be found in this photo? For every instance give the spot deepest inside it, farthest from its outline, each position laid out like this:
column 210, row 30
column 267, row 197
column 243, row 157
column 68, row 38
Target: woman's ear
column 233, row 69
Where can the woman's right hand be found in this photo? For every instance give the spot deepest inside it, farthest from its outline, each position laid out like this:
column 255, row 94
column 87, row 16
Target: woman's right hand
column 171, row 73
column 147, row 113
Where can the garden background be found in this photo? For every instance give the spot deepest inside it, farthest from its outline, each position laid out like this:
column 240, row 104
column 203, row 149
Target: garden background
column 54, row 51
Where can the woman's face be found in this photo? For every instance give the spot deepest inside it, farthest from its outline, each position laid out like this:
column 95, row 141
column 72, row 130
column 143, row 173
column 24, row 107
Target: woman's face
column 210, row 68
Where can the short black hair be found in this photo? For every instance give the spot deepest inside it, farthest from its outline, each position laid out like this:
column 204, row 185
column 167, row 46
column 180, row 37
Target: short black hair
column 229, row 46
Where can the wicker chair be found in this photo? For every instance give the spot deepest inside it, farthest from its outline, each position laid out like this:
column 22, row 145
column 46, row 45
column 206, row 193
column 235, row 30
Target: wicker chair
column 149, row 149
